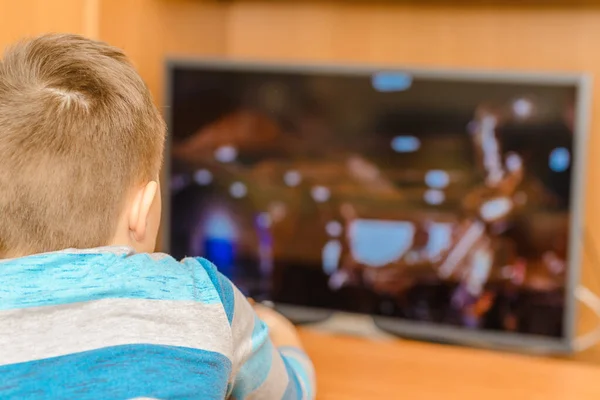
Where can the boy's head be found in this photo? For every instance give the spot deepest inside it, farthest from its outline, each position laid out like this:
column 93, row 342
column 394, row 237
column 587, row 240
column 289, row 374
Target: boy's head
column 81, row 147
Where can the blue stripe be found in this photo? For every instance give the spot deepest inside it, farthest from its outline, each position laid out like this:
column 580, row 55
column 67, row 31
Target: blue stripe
column 120, row 372
column 63, row 278
column 301, row 372
column 260, row 333
column 223, row 285
column 256, row 370
column 294, row 389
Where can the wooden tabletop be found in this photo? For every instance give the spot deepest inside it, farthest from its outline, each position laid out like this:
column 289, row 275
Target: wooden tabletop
column 351, row 368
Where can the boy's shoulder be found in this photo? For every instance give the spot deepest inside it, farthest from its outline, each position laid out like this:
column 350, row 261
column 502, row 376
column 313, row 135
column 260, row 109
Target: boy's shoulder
column 145, row 316
column 92, row 274
column 163, row 277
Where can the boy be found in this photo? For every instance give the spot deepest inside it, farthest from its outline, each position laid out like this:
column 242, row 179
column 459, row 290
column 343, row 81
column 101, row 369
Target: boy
column 81, row 146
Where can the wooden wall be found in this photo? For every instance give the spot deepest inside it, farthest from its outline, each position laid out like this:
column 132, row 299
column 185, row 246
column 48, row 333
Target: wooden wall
column 151, row 30
column 24, row 18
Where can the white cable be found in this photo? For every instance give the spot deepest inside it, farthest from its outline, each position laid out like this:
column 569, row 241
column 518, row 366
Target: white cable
column 592, row 301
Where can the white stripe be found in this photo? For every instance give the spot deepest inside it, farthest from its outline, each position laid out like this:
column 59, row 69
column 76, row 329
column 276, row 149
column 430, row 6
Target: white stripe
column 276, row 383
column 51, row 331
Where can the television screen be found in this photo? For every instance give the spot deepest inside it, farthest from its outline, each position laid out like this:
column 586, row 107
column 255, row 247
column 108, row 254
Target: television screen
column 439, row 199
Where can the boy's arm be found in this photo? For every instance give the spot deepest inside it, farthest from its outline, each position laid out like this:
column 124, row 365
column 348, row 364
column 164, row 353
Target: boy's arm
column 284, row 336
column 262, row 369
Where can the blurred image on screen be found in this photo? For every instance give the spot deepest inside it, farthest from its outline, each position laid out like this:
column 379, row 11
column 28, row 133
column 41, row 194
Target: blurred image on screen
column 446, row 201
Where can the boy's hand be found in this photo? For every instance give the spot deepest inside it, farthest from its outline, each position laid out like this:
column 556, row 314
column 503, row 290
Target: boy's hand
column 281, row 330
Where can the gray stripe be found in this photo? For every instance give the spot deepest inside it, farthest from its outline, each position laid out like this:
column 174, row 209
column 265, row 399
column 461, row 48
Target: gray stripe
column 301, row 357
column 42, row 332
column 242, row 326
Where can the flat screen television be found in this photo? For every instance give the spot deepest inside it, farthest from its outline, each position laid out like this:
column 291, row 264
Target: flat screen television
column 446, row 205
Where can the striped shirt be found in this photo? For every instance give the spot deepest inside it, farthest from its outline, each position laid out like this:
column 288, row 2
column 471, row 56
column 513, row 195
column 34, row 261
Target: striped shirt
column 111, row 324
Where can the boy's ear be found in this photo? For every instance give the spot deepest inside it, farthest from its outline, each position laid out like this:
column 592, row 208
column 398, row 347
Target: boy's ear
column 140, row 209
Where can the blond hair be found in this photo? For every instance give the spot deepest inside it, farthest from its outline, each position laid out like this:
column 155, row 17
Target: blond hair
column 78, row 129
